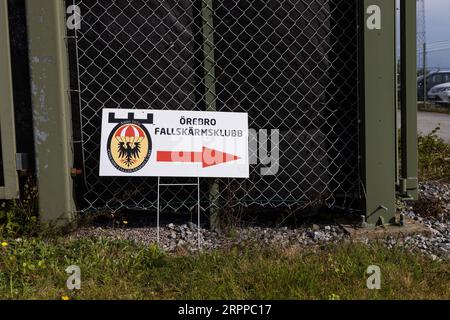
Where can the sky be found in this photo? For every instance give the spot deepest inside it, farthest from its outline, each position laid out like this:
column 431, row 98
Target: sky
column 438, row 29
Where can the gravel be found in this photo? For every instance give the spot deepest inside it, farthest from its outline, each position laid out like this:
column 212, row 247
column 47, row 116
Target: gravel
column 437, row 245
column 184, row 236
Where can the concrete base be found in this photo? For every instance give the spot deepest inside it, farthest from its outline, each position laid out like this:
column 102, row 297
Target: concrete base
column 411, row 228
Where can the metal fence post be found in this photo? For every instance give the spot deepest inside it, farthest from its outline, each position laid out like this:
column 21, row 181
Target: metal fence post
column 209, row 60
column 10, row 189
column 51, row 109
column 378, row 112
column 409, row 153
column 209, row 65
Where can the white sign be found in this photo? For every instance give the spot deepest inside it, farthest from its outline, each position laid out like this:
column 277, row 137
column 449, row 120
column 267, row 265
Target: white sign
column 159, row 143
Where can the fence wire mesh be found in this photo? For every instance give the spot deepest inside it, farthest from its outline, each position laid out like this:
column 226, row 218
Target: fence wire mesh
column 291, row 64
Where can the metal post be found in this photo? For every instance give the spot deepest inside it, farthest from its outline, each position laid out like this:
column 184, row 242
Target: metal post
column 424, row 57
column 199, row 216
column 209, row 60
column 210, row 93
column 10, row 189
column 51, row 109
column 378, row 131
column 409, row 153
column 158, row 212
column 199, row 206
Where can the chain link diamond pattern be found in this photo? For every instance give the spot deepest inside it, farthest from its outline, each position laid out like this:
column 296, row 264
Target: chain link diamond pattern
column 291, row 64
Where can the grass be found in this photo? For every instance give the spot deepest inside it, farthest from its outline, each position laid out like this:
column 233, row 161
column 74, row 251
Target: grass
column 35, row 269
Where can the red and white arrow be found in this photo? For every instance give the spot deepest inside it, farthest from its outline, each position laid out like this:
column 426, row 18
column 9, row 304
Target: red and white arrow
column 208, row 157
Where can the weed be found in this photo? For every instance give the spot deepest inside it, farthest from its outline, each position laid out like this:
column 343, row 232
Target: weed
column 429, row 207
column 434, row 157
column 19, row 217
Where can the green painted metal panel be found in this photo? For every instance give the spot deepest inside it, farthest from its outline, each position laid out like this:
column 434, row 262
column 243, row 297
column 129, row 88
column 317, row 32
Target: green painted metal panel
column 51, row 109
column 10, row 188
column 409, row 153
column 378, row 79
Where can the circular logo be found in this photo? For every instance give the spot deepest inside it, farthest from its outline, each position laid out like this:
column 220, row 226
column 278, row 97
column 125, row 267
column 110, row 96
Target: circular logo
column 129, row 147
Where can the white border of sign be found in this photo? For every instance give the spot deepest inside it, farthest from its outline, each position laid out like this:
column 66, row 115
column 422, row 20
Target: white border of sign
column 182, row 143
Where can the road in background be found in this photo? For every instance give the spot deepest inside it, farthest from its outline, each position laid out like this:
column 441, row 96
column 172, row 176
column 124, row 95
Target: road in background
column 428, row 121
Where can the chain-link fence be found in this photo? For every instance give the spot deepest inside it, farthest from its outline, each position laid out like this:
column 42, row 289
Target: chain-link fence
column 291, row 64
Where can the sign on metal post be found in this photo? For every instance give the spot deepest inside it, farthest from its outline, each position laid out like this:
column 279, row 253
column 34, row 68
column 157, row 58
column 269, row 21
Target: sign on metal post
column 162, row 143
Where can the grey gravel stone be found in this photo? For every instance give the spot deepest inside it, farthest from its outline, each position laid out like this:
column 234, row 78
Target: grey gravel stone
column 173, row 236
column 439, row 228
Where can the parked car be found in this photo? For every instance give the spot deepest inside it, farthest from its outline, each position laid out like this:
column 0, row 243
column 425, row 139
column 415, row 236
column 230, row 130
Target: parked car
column 433, row 79
column 440, row 92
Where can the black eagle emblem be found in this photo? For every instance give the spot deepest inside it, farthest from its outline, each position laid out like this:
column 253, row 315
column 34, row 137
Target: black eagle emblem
column 128, row 154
